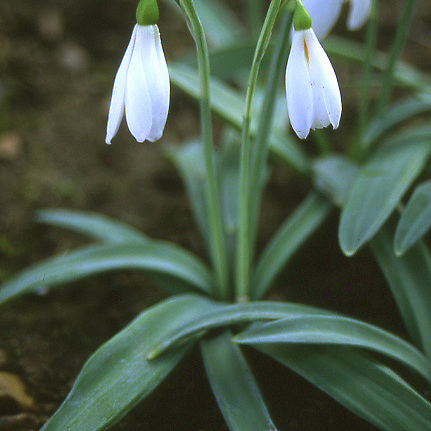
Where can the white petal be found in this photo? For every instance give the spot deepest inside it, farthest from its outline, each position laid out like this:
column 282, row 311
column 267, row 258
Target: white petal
column 358, row 13
column 116, row 108
column 326, row 92
column 298, row 88
column 156, row 72
column 138, row 103
column 324, row 14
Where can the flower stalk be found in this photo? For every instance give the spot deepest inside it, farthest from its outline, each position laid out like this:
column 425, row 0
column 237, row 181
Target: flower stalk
column 243, row 259
column 216, row 233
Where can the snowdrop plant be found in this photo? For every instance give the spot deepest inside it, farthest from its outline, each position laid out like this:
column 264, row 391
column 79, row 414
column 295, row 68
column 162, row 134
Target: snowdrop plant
column 220, row 303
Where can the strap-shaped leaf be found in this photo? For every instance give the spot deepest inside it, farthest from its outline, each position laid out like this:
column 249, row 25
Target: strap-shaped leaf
column 336, row 330
column 377, row 190
column 234, row 386
column 118, row 376
column 394, row 116
column 415, row 219
column 333, row 177
column 156, row 257
column 93, row 225
column 369, row 390
column 409, row 278
column 225, row 315
column 229, row 105
column 290, row 236
column 349, row 50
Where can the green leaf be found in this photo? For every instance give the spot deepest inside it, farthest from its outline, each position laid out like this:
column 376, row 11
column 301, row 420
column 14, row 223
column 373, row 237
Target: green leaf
column 409, row 278
column 392, row 117
column 224, row 315
column 234, row 386
column 118, row 376
column 336, row 330
column 220, row 24
column 333, row 177
column 377, row 190
column 415, row 219
column 362, row 385
column 229, row 105
column 349, row 50
column 289, row 237
column 156, row 257
column 93, row 225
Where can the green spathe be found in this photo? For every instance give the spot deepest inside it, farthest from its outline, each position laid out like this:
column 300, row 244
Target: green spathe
column 147, row 12
column 301, row 18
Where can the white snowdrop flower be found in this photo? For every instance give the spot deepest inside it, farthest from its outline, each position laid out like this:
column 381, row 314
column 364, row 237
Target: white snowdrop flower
column 141, row 87
column 312, row 91
column 324, row 14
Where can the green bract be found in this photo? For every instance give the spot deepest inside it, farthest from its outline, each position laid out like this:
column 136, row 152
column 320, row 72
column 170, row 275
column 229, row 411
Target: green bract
column 147, row 12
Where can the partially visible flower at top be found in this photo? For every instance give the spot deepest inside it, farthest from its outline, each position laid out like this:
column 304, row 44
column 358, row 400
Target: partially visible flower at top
column 324, row 14
column 141, row 86
column 312, row 92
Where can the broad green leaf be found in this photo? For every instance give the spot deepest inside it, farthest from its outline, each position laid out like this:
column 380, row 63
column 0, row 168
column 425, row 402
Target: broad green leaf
column 225, row 315
column 394, row 116
column 289, row 237
column 336, row 330
column 409, row 278
column 93, row 225
column 415, row 219
column 229, row 105
column 234, row 386
column 362, row 385
column 156, row 257
column 377, row 190
column 118, row 376
column 333, row 177
column 188, row 159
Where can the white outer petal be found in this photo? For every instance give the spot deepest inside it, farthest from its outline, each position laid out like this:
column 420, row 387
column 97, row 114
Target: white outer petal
column 156, row 72
column 324, row 14
column 138, row 103
column 298, row 88
column 326, row 92
column 358, row 13
column 116, row 108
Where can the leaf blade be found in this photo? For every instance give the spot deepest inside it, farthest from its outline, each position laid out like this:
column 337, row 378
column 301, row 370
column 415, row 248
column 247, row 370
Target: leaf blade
column 376, row 191
column 117, row 376
column 157, row 257
column 362, row 385
column 234, row 386
column 415, row 219
column 336, row 330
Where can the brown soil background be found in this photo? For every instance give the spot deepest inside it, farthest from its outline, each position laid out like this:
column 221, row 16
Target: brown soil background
column 57, row 64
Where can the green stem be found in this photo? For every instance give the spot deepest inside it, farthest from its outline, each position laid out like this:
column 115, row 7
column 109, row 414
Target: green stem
column 397, row 46
column 371, row 39
column 244, row 240
column 216, row 233
column 260, row 147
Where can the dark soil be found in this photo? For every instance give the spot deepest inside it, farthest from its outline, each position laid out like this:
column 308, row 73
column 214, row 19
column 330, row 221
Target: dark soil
column 57, row 64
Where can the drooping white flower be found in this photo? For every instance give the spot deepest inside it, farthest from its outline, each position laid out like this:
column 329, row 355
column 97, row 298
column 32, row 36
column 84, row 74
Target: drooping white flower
column 324, row 14
column 312, row 91
column 141, row 87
